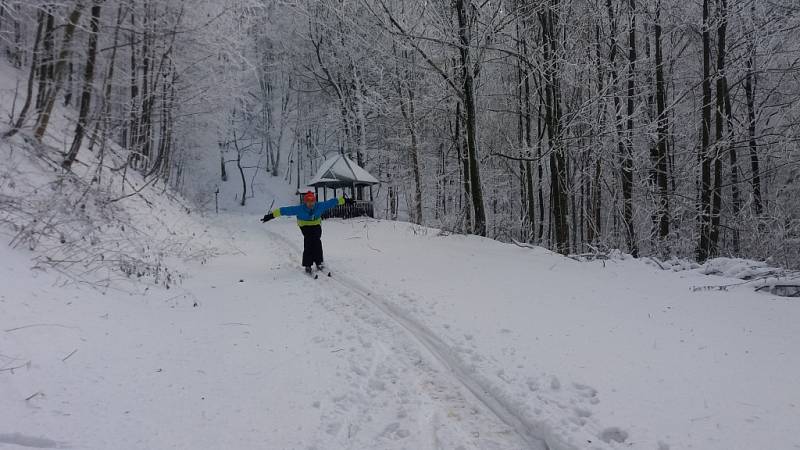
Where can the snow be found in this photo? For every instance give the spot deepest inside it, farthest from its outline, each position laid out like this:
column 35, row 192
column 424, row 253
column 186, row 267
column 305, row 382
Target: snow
column 418, row 341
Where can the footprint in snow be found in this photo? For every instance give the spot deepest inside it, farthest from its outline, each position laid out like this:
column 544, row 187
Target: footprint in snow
column 613, row 434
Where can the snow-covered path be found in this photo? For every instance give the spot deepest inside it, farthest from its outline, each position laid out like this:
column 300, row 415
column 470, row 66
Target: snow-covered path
column 590, row 355
column 527, row 433
column 417, row 342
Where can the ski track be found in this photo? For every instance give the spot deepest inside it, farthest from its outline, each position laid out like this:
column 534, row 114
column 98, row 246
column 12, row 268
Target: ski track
column 530, row 433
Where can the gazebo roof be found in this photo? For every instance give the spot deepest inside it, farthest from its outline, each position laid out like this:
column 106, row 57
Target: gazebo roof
column 340, row 171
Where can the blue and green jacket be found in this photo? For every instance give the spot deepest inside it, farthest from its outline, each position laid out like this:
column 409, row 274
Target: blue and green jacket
column 308, row 217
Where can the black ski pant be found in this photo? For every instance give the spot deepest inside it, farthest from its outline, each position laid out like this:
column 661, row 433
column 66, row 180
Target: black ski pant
column 312, row 245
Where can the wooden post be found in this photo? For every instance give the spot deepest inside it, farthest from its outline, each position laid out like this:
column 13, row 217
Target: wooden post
column 216, row 200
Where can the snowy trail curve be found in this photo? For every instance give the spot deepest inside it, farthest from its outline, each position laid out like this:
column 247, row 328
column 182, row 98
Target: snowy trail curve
column 528, row 432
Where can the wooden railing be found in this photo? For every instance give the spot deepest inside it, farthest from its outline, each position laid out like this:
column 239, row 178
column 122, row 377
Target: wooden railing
column 357, row 209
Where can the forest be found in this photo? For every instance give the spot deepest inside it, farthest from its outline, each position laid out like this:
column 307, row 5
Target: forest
column 660, row 128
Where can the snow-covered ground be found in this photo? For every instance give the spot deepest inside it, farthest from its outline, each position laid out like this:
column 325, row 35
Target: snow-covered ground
column 418, row 341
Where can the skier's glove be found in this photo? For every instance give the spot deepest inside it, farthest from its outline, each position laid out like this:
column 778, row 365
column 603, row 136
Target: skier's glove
column 267, row 217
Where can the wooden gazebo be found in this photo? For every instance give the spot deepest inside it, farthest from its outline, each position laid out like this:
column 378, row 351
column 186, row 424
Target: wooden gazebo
column 340, row 175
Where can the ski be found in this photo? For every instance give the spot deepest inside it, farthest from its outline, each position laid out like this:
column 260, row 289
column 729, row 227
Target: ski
column 325, row 270
column 317, row 271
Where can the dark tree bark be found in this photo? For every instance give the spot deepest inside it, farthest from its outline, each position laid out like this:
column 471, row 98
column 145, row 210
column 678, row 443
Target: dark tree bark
column 468, row 86
column 464, row 164
column 222, row 172
column 660, row 162
column 559, row 202
column 241, row 169
column 23, row 114
column 526, row 102
column 627, row 156
column 721, row 84
column 63, row 57
column 749, row 89
column 594, row 225
column 108, row 83
column 755, row 177
column 143, row 132
column 405, row 92
column 704, row 250
column 724, row 119
column 46, row 63
column 70, row 84
column 86, row 94
column 16, row 55
column 129, row 133
column 613, row 74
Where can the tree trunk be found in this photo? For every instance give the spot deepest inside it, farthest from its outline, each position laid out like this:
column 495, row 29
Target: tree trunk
column 412, row 120
column 660, row 163
column 755, row 176
column 526, row 102
column 559, row 202
column 70, row 84
column 143, row 132
column 86, row 94
column 130, row 134
column 64, row 54
column 627, row 157
column 704, row 250
column 17, row 54
column 46, row 62
column 476, row 193
column 108, row 83
column 724, row 118
column 464, row 165
column 595, row 226
column 241, row 169
column 23, row 114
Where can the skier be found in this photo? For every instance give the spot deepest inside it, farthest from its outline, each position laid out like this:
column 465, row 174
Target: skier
column 309, row 217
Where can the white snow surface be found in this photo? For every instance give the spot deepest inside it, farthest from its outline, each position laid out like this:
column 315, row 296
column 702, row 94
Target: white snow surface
column 418, row 341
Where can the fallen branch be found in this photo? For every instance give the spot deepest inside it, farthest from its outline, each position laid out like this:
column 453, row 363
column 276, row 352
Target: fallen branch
column 68, row 356
column 40, row 325
column 12, row 369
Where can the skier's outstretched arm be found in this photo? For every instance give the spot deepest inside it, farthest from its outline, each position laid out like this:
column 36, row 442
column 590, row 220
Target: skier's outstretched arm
column 328, row 204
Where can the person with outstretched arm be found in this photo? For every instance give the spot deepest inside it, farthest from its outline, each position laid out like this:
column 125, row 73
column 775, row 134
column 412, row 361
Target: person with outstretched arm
column 309, row 219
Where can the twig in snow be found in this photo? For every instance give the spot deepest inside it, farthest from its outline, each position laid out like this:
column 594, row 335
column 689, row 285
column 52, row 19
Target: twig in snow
column 661, row 266
column 12, row 369
column 33, row 395
column 68, row 356
column 40, row 325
